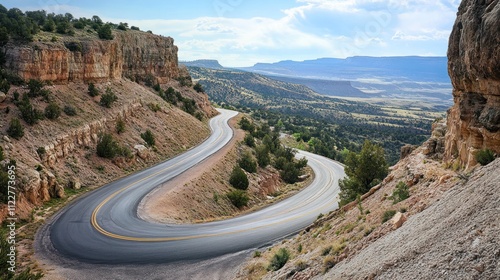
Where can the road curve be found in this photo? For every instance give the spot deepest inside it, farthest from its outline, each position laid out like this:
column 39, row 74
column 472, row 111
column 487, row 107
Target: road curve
column 103, row 226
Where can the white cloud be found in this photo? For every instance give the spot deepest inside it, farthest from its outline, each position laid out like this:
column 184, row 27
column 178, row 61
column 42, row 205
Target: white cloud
column 312, row 29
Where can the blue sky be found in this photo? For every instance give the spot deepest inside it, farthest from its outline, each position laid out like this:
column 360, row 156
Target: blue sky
column 244, row 32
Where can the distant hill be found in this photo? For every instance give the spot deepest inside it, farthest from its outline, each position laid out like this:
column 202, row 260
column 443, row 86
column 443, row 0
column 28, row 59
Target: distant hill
column 411, row 77
column 328, row 87
column 411, row 67
column 204, row 63
column 334, row 123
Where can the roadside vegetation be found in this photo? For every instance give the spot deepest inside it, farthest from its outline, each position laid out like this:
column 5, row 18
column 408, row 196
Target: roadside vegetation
column 262, row 148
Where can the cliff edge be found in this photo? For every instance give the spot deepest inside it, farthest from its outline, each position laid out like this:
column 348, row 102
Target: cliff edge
column 136, row 55
column 474, row 69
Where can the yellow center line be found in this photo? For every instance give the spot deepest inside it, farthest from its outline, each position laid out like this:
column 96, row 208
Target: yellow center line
column 98, row 227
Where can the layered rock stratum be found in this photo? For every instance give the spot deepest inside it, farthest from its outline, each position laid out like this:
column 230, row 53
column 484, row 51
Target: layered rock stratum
column 131, row 54
column 474, row 68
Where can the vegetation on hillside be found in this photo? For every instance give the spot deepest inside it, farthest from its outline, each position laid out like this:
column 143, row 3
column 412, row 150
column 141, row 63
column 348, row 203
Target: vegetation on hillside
column 323, row 125
column 485, row 156
column 364, row 170
column 262, row 149
column 16, row 25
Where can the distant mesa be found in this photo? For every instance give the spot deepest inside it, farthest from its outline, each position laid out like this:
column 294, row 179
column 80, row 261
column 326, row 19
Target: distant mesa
column 408, row 77
column 204, row 63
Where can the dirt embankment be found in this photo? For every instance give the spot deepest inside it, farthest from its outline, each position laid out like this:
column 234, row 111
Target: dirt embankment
column 199, row 195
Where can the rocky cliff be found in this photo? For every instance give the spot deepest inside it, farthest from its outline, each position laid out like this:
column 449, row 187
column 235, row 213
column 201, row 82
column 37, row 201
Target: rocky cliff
column 132, row 54
column 474, row 68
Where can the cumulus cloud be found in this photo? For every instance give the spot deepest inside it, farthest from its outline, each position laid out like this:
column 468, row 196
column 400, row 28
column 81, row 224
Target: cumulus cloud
column 311, row 29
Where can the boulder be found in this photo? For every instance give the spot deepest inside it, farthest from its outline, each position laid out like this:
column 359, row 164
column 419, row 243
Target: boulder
column 398, row 220
column 75, row 184
column 142, row 151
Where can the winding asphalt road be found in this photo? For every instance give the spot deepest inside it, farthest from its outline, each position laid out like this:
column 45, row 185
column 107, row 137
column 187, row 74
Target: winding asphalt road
column 103, row 226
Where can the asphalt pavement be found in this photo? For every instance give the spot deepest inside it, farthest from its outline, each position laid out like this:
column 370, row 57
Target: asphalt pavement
column 103, row 227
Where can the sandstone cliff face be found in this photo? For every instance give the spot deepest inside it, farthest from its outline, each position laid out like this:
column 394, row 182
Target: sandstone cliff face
column 474, row 68
column 135, row 55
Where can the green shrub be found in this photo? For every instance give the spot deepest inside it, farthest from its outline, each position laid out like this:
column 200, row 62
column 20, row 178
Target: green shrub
column 246, row 125
column 74, row 46
column 122, row 26
column 108, row 98
column 4, row 85
column 199, row 116
column 104, row 32
column 279, row 163
column 41, row 151
column 148, row 137
column 69, row 110
column 49, row 25
column 52, row 111
column 35, row 87
column 400, row 193
column 248, row 163
column 2, row 157
column 189, row 106
column 238, row 179
column 15, row 129
column 199, row 88
column 92, row 90
column 107, row 147
column 279, row 259
column 28, row 113
column 120, row 125
column 262, row 153
column 135, row 28
column 485, row 156
column 238, row 198
column 388, row 215
column 364, row 170
column 125, row 152
column 249, row 140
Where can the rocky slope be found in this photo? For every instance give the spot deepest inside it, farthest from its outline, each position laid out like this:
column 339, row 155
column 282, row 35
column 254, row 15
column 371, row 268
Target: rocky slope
column 474, row 63
column 455, row 238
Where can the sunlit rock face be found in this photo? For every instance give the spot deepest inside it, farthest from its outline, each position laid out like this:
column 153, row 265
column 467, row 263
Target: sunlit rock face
column 474, row 68
column 133, row 55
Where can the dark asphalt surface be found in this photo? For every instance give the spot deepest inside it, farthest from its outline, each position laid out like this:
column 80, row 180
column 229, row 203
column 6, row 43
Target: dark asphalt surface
column 103, row 228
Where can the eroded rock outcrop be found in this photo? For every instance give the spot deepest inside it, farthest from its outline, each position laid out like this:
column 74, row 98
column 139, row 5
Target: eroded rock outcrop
column 87, row 135
column 474, row 68
column 134, row 55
